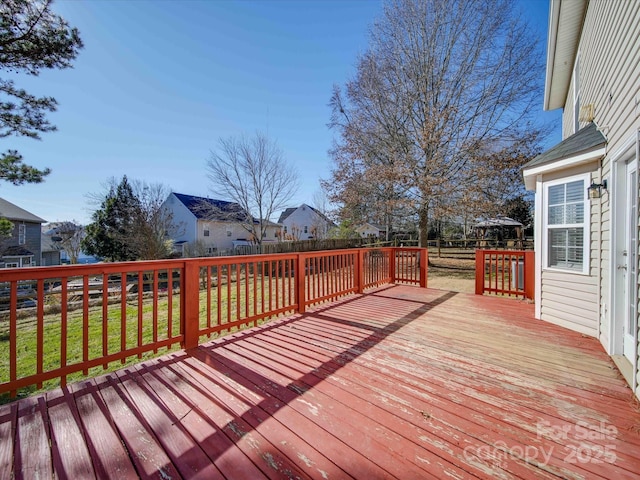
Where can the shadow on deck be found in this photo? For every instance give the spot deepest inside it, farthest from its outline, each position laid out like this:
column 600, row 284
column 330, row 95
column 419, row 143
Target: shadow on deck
column 401, row 382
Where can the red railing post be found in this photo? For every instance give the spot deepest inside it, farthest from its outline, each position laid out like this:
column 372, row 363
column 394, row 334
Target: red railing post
column 424, row 262
column 392, row 264
column 479, row 272
column 191, row 305
column 529, row 274
column 359, row 271
column 301, row 278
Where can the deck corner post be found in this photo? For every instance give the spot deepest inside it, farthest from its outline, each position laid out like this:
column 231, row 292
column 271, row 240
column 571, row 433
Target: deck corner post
column 529, row 274
column 424, row 262
column 191, row 298
column 359, row 271
column 301, row 277
column 479, row 271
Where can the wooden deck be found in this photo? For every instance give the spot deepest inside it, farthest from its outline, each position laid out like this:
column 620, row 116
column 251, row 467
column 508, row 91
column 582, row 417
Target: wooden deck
column 401, row 383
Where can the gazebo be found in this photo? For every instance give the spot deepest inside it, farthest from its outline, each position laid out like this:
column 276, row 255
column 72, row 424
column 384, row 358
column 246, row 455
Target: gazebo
column 499, row 228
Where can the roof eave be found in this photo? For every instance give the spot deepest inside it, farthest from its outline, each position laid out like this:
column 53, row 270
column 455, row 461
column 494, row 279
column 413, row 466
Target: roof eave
column 565, row 28
column 530, row 174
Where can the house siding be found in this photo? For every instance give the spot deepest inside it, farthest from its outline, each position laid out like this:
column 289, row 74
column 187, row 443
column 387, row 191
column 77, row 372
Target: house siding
column 33, row 239
column 609, row 51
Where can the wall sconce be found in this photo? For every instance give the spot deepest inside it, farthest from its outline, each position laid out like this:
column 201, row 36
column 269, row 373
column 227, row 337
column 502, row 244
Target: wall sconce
column 595, row 189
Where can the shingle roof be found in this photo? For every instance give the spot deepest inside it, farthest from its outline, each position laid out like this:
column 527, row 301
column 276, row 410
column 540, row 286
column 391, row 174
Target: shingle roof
column 284, row 215
column 586, row 139
column 289, row 211
column 13, row 212
column 211, row 209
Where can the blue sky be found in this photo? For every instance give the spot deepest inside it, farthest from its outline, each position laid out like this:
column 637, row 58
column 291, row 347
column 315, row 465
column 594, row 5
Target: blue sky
column 159, row 82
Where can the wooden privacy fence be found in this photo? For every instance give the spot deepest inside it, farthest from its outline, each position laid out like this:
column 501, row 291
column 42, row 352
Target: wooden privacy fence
column 505, row 272
column 59, row 321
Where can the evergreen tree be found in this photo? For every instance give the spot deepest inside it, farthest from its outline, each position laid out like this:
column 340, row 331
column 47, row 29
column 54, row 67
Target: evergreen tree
column 32, row 38
column 108, row 236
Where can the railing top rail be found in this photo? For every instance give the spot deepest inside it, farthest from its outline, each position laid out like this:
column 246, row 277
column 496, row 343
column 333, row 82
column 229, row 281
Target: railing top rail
column 77, row 270
column 502, row 252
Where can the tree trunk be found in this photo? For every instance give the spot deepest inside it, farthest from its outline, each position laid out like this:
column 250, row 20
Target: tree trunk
column 423, row 225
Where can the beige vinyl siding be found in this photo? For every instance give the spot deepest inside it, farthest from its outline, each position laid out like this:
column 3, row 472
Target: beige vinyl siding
column 569, row 300
column 610, row 69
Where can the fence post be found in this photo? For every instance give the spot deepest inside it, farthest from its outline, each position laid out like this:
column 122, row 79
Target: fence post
column 479, row 272
column 301, row 296
column 424, row 262
column 191, row 305
column 529, row 274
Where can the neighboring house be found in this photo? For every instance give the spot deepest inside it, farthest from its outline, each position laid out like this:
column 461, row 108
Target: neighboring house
column 304, row 223
column 372, row 230
column 211, row 232
column 50, row 251
column 50, row 232
column 586, row 187
column 24, row 247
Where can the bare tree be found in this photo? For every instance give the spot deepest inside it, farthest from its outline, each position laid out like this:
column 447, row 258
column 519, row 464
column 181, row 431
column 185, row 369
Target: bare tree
column 253, row 173
column 441, row 105
column 152, row 239
column 68, row 237
column 130, row 222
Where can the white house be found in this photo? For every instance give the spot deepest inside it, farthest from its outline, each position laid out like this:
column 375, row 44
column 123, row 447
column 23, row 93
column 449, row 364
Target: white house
column 371, row 230
column 586, row 187
column 304, row 223
column 207, row 226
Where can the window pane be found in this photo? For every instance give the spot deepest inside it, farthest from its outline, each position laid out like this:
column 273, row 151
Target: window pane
column 574, row 213
column 575, row 191
column 556, row 215
column 556, row 195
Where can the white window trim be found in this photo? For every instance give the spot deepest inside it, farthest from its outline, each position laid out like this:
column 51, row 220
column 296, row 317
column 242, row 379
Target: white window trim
column 586, row 249
column 22, row 234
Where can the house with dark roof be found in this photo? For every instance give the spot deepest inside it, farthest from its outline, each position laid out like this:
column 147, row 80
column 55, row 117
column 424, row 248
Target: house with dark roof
column 209, row 226
column 304, row 223
column 24, row 247
column 586, row 187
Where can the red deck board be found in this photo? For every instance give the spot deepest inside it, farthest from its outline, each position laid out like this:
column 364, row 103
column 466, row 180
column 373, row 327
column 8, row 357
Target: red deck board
column 187, row 456
column 146, row 453
column 31, row 451
column 401, row 382
column 110, row 458
column 71, row 457
column 219, row 433
column 246, row 406
column 8, row 419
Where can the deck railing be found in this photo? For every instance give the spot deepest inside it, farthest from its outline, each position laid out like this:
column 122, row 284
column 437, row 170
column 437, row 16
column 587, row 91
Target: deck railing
column 505, row 272
column 59, row 321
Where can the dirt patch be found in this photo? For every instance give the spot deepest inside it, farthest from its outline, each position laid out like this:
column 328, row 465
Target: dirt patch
column 453, row 274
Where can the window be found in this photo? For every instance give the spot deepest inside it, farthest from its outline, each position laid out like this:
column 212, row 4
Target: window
column 567, row 228
column 206, row 231
column 22, row 234
column 306, row 229
column 228, row 232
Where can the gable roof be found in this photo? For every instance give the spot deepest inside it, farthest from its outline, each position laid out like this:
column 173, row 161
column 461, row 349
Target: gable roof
column 13, row 212
column 284, row 215
column 586, row 145
column 211, row 209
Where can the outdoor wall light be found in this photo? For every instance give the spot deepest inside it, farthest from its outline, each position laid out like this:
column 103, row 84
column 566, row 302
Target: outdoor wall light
column 595, row 189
